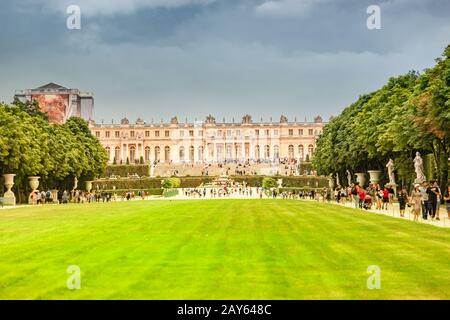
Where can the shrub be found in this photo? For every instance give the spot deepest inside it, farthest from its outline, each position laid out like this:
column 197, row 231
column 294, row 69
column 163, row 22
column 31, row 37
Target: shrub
column 171, row 183
column 269, row 183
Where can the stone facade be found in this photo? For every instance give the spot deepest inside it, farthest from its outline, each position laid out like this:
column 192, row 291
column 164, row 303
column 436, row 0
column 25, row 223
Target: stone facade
column 209, row 141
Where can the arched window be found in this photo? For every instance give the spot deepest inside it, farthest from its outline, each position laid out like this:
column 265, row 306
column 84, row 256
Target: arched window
column 291, row 151
column 191, row 153
column 310, row 150
column 167, row 154
column 132, row 154
column 181, row 153
column 238, row 151
column 257, row 152
column 200, row 153
column 108, row 152
column 301, row 152
column 157, row 154
column 211, row 150
column 229, row 150
column 117, row 154
column 267, row 152
column 276, row 152
column 147, row 154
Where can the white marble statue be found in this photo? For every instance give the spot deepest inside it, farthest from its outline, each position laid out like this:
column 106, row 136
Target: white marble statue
column 349, row 178
column 418, row 167
column 337, row 180
column 390, row 166
column 75, row 183
column 152, row 170
column 280, row 183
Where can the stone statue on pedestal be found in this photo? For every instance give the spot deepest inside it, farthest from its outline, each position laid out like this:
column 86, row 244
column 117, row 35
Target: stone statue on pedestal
column 418, row 167
column 390, row 166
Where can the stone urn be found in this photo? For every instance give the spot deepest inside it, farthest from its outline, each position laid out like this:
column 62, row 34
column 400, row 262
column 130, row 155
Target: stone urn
column 34, row 184
column 9, row 199
column 55, row 195
column 88, row 186
column 374, row 176
column 360, row 178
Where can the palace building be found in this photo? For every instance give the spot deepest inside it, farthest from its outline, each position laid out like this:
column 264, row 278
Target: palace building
column 200, row 142
column 208, row 141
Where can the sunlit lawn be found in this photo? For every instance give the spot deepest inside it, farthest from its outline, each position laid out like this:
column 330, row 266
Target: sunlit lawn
column 218, row 249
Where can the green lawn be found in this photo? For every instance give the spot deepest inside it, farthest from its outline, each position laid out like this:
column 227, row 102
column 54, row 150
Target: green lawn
column 218, row 249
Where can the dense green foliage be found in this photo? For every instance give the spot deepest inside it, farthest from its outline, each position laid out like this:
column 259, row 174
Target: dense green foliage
column 219, row 249
column 171, row 183
column 410, row 113
column 269, row 183
column 31, row 146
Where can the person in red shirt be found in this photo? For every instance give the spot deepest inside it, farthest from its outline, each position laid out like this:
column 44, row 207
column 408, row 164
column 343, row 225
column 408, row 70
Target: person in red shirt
column 385, row 198
column 362, row 196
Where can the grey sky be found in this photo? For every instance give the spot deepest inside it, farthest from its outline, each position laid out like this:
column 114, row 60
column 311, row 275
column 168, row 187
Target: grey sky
column 160, row 58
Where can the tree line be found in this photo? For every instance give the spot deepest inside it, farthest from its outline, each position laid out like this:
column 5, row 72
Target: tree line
column 410, row 113
column 31, row 146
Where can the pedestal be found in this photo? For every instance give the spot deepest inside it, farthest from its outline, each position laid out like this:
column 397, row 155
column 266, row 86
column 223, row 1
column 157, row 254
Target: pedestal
column 88, row 186
column 9, row 199
column 34, row 184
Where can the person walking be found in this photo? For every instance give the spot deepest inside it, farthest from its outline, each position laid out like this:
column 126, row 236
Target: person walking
column 65, row 197
column 447, row 200
column 355, row 194
column 402, row 199
column 362, row 197
column 416, row 201
column 386, row 195
column 433, row 196
column 425, row 203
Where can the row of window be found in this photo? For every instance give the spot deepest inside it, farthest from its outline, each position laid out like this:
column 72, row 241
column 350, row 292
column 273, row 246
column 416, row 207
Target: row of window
column 220, row 133
column 267, row 152
column 300, row 132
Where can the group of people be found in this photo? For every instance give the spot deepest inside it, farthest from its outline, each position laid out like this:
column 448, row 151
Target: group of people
column 424, row 199
column 427, row 197
column 222, row 191
column 41, row 197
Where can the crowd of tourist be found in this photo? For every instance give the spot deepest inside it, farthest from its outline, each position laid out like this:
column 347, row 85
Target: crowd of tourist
column 423, row 200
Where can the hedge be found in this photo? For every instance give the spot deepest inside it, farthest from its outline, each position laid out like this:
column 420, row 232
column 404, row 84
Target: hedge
column 124, row 170
column 288, row 181
column 170, row 193
column 193, row 182
column 151, row 191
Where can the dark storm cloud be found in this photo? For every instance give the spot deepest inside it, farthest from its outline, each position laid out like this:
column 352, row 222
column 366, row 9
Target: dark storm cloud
column 189, row 58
